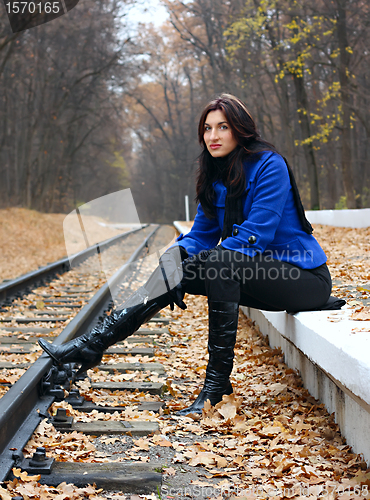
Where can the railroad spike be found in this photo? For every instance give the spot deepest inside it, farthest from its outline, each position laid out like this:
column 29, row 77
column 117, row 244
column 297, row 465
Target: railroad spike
column 74, row 398
column 61, row 420
column 39, row 463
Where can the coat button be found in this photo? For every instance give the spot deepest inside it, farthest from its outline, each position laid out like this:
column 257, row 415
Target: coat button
column 252, row 240
column 235, row 231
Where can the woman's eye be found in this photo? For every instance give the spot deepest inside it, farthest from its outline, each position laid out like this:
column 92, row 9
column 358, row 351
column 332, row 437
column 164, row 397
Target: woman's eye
column 223, row 127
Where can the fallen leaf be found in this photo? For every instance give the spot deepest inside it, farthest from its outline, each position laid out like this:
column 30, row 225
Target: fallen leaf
column 363, row 315
column 228, row 411
column 169, row 471
column 110, row 440
column 4, row 495
column 24, row 475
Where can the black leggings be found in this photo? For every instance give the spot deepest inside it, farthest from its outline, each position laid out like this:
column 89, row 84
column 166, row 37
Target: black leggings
column 259, row 282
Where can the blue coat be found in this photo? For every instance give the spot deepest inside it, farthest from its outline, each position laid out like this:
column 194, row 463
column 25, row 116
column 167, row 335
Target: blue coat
column 270, row 217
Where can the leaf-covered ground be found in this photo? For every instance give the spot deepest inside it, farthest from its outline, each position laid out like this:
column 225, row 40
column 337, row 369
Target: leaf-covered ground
column 29, row 239
column 270, row 439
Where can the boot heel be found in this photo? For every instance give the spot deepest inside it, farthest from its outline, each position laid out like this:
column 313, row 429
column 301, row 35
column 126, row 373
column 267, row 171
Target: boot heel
column 87, row 366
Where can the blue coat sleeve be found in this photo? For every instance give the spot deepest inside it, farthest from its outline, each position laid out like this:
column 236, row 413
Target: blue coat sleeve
column 204, row 234
column 272, row 186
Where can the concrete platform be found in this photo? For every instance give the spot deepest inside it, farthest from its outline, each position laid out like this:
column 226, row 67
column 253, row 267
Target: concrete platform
column 340, row 218
column 334, row 364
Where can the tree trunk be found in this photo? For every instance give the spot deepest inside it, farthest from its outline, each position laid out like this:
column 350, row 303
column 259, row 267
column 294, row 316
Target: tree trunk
column 302, row 105
column 344, row 57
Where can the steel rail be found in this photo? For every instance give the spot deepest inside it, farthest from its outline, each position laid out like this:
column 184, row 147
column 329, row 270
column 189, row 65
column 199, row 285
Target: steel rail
column 23, row 406
column 9, row 288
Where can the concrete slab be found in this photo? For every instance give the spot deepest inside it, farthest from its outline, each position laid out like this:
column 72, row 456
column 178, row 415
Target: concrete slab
column 100, row 427
column 139, row 340
column 22, row 320
column 127, row 478
column 150, row 387
column 26, row 329
column 123, row 367
column 135, row 351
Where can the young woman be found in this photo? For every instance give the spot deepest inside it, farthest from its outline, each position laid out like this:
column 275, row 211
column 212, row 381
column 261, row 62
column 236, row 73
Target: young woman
column 250, row 244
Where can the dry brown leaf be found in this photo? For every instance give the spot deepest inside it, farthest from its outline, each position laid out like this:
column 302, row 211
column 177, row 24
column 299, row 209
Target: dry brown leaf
column 277, row 388
column 363, row 315
column 4, row 494
column 284, row 465
column 270, row 430
column 205, row 458
column 228, row 410
column 169, row 471
column 200, row 483
column 179, row 458
column 110, row 440
column 24, row 475
column 160, row 440
column 141, row 444
column 221, row 462
column 361, row 329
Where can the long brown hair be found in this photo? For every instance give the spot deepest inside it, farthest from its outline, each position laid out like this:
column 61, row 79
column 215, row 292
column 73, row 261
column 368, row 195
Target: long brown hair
column 249, row 141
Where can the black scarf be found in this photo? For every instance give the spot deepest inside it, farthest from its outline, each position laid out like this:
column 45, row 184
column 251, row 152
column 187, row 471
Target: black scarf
column 298, row 202
column 233, row 212
column 234, row 205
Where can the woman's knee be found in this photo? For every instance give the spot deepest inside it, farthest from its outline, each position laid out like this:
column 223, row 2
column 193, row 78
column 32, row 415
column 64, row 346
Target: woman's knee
column 217, row 266
column 220, row 278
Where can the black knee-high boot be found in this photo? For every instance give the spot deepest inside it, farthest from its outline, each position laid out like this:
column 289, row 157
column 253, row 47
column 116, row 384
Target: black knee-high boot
column 223, row 324
column 87, row 350
column 162, row 289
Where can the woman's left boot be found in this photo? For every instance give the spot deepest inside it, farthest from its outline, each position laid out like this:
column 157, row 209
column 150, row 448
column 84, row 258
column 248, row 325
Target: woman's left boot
column 87, row 350
column 223, row 324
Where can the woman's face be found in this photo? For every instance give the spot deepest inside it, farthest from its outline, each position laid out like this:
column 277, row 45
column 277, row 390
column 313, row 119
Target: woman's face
column 218, row 136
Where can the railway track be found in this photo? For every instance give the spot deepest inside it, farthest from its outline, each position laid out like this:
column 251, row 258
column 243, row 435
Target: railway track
column 61, row 302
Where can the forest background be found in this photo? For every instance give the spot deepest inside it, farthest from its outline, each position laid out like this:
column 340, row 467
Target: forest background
column 90, row 105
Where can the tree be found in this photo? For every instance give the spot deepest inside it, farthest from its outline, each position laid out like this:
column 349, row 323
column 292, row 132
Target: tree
column 61, row 110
